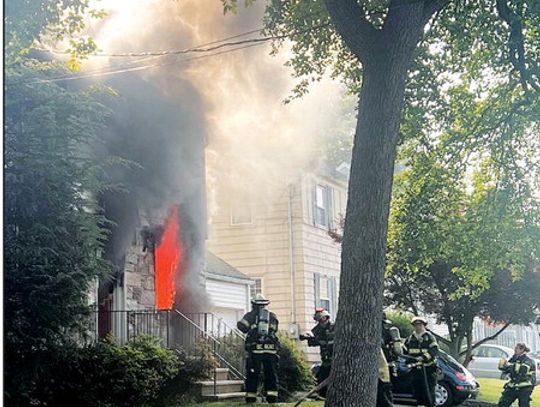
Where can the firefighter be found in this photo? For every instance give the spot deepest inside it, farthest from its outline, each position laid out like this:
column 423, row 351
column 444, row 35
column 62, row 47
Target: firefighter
column 422, row 347
column 322, row 336
column 391, row 349
column 261, row 327
column 521, row 369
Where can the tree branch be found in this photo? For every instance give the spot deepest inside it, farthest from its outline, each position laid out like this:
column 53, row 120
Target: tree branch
column 516, row 45
column 433, row 6
column 489, row 338
column 440, row 338
column 350, row 21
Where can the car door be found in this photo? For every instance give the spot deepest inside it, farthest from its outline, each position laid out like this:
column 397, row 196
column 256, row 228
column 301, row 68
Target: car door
column 485, row 362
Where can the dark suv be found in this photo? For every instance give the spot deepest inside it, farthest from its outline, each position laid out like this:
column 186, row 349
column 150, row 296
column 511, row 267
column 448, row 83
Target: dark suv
column 455, row 384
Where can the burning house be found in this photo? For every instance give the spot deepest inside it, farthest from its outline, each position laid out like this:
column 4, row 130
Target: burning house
column 182, row 129
column 158, row 217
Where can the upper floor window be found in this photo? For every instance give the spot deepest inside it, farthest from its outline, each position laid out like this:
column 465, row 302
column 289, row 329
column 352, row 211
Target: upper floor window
column 241, row 210
column 326, row 290
column 322, row 206
column 257, row 287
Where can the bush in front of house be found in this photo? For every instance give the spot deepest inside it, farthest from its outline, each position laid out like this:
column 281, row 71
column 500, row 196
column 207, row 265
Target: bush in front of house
column 294, row 372
column 402, row 320
column 106, row 374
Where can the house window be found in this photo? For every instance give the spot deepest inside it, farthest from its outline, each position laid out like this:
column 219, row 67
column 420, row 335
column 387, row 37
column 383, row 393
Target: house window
column 241, row 213
column 322, row 206
column 326, row 293
column 256, row 288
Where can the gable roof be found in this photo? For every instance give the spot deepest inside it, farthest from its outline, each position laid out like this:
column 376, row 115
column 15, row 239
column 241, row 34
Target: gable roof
column 217, row 268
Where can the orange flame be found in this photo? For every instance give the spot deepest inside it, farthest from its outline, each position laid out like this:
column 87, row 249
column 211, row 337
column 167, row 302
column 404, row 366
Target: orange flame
column 168, row 255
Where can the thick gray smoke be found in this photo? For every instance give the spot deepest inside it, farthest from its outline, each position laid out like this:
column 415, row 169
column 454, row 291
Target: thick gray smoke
column 232, row 103
column 163, row 137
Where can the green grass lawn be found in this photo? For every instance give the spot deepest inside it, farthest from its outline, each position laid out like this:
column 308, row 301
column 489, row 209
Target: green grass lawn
column 491, row 389
column 240, row 404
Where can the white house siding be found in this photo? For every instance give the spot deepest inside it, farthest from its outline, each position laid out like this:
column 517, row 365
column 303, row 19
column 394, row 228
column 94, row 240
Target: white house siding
column 262, row 249
column 227, row 295
column 510, row 336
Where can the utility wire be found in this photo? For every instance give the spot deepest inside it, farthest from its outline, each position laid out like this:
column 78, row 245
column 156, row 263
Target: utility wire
column 196, row 48
column 138, row 68
column 238, row 45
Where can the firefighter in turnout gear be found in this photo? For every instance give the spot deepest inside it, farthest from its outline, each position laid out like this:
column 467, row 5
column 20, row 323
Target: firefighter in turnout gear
column 521, row 369
column 423, row 349
column 391, row 349
column 322, row 336
column 261, row 327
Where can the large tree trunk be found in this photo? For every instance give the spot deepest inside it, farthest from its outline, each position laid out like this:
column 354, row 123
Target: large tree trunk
column 354, row 370
column 385, row 55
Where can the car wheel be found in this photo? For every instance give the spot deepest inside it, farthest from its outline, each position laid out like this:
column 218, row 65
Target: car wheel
column 443, row 395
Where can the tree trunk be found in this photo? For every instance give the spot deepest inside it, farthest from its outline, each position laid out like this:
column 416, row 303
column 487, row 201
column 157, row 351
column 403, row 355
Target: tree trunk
column 386, row 54
column 358, row 324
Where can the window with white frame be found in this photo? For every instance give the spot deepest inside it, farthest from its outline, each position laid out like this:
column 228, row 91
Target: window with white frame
column 322, row 206
column 256, row 287
column 241, row 210
column 326, row 294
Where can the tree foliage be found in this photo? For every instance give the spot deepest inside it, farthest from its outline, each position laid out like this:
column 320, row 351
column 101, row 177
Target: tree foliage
column 423, row 56
column 462, row 250
column 53, row 228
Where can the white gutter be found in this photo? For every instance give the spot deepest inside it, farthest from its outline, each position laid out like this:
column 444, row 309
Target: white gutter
column 291, row 256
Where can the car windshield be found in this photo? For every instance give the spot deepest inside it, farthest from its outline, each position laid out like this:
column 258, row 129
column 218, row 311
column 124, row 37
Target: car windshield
column 453, row 363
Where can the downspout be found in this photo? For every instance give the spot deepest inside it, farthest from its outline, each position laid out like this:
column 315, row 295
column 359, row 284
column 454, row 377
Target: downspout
column 291, row 256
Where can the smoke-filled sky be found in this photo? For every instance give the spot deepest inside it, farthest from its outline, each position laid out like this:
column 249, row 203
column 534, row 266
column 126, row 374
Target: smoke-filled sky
column 237, row 96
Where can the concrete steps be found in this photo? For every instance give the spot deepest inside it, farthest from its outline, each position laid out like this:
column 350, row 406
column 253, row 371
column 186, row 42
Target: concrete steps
column 222, row 389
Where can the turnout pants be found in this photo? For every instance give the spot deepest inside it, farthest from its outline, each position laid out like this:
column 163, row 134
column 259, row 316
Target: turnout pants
column 323, row 373
column 254, row 364
column 384, row 394
column 509, row 394
column 423, row 383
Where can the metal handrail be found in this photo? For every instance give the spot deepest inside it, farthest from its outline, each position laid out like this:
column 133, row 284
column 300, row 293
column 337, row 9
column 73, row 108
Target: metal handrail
column 197, row 326
column 233, row 369
column 236, row 331
column 236, row 372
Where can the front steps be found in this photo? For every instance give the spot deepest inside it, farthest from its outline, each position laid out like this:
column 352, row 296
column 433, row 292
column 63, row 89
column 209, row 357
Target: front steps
column 223, row 388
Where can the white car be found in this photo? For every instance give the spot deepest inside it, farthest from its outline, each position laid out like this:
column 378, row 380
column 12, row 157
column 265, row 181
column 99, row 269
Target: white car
column 486, row 358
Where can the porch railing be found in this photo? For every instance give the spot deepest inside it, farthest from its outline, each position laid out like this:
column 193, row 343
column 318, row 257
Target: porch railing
column 125, row 325
column 176, row 330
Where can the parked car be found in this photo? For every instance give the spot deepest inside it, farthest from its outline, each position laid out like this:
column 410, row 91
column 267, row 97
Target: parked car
column 454, row 385
column 486, row 358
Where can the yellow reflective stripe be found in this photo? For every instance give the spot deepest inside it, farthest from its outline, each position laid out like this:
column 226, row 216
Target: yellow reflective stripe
column 521, row 384
column 272, row 393
column 265, row 346
column 251, row 394
column 261, row 351
column 433, row 345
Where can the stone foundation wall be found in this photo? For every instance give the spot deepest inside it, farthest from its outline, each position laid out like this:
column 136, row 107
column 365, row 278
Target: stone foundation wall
column 139, row 279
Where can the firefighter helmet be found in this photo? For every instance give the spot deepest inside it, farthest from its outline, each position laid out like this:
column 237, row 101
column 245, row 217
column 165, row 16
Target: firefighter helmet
column 259, row 299
column 416, row 320
column 320, row 313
